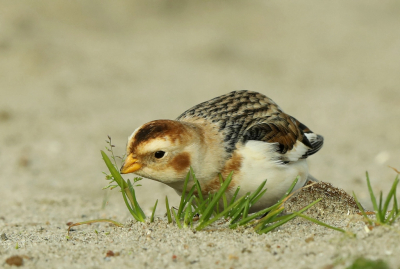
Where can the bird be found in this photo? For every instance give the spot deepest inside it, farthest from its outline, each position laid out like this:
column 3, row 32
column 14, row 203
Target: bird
column 242, row 132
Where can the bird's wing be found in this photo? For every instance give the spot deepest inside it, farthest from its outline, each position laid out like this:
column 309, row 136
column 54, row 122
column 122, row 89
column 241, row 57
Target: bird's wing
column 231, row 105
column 232, row 113
column 246, row 115
column 294, row 140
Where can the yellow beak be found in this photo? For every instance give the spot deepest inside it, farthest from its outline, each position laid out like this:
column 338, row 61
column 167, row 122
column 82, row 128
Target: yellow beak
column 130, row 165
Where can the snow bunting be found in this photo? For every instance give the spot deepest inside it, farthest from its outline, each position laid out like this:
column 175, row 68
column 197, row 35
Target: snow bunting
column 242, row 131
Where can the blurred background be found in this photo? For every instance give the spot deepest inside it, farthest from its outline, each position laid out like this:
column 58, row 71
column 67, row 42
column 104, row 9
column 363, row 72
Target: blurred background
column 73, row 72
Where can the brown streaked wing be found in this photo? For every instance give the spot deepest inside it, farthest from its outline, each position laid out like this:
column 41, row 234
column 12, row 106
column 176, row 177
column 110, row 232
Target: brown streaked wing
column 280, row 128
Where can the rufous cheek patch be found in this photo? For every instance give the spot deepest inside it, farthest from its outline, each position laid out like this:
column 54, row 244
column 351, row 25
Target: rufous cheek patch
column 181, row 162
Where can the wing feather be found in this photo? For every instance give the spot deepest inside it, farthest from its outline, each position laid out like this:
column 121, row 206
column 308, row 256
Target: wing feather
column 244, row 115
column 294, row 140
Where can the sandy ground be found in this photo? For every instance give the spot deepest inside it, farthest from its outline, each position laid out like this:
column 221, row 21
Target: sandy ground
column 73, row 72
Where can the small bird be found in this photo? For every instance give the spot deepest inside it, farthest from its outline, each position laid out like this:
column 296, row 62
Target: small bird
column 242, row 131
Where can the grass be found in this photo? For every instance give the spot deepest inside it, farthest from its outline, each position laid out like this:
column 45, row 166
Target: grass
column 364, row 263
column 127, row 190
column 198, row 210
column 383, row 216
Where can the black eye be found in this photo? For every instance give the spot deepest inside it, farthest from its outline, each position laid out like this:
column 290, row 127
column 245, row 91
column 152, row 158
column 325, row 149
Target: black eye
column 159, row 154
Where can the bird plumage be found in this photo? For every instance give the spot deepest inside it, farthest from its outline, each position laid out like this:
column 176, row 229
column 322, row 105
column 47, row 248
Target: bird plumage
column 242, row 131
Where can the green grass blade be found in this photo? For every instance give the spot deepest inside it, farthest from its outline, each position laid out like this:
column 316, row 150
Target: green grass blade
column 116, row 175
column 245, row 221
column 131, row 210
column 230, row 213
column 277, row 224
column 216, row 209
column 203, row 206
column 320, row 222
column 189, row 195
column 255, row 199
column 234, row 196
column 168, row 211
column 154, row 211
column 371, row 194
column 238, row 213
column 188, row 213
column 394, row 214
column 187, row 201
column 178, row 222
column 391, row 217
column 380, row 211
column 136, row 204
column 197, row 184
column 199, row 192
column 289, row 190
column 224, row 200
column 278, row 217
column 198, row 187
column 246, row 208
column 257, row 191
column 204, row 224
column 392, row 193
column 128, row 193
column 290, row 217
column 183, row 196
column 207, row 213
column 277, row 209
column 362, row 209
column 238, row 210
column 198, row 206
column 395, row 206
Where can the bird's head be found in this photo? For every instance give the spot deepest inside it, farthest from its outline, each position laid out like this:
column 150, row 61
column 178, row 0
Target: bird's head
column 163, row 150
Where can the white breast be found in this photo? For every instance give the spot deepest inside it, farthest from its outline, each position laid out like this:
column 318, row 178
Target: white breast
column 259, row 164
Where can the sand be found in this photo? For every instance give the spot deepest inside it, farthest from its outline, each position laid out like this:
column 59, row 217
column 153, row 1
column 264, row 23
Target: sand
column 72, row 73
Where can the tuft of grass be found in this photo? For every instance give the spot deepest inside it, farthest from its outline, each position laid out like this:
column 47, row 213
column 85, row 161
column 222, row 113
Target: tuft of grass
column 127, row 190
column 154, row 211
column 168, row 211
column 382, row 215
column 236, row 211
column 199, row 210
column 364, row 263
column 213, row 206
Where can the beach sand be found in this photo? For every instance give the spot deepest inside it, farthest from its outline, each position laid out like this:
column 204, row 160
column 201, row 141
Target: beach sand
column 73, row 72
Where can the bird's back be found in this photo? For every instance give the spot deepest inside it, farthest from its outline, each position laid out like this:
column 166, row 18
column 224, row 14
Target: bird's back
column 244, row 115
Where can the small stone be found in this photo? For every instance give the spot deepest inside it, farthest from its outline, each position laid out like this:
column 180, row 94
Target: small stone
column 5, row 115
column 246, row 250
column 233, row 257
column 15, row 260
column 309, row 239
column 110, row 253
column 4, row 237
column 24, row 161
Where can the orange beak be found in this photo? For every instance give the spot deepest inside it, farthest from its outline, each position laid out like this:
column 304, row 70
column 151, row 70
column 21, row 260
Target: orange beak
column 130, row 165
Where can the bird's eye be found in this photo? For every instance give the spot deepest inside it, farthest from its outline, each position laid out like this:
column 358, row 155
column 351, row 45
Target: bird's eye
column 159, row 154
